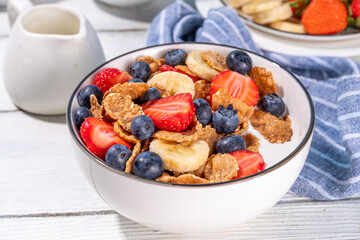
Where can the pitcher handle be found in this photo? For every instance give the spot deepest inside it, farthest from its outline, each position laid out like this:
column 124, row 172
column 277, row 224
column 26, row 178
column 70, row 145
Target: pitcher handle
column 15, row 7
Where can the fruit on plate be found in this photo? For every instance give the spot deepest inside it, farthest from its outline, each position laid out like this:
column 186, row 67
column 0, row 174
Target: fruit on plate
column 282, row 12
column 84, row 95
column 181, row 157
column 99, row 136
column 287, row 26
column 237, row 85
column 140, row 70
column 173, row 113
column 117, row 156
column 203, row 111
column 142, row 127
column 325, row 17
column 148, row 165
column 260, row 6
column 79, row 116
column 173, row 82
column 108, row 77
column 239, row 61
column 151, row 94
column 249, row 163
column 198, row 66
column 165, row 68
column 273, row 104
column 175, row 57
column 230, row 144
column 225, row 120
column 355, row 8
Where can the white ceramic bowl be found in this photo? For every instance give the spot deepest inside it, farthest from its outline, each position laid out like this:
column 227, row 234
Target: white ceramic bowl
column 211, row 207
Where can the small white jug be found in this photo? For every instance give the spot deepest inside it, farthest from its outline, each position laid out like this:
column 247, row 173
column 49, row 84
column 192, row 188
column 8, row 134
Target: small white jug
column 51, row 48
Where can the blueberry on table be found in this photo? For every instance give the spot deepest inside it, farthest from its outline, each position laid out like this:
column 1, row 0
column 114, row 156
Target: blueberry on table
column 239, row 61
column 148, row 165
column 230, row 144
column 142, row 127
column 202, row 111
column 117, row 156
column 175, row 57
column 140, row 70
column 79, row 116
column 151, row 94
column 225, row 120
column 135, row 80
column 84, row 95
column 273, row 104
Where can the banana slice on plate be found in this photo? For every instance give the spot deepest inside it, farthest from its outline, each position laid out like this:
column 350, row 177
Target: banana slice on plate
column 288, row 26
column 197, row 65
column 174, row 82
column 181, row 157
column 277, row 14
column 260, row 6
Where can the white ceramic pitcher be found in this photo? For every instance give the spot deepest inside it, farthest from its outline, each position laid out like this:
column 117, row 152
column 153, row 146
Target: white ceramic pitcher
column 51, row 48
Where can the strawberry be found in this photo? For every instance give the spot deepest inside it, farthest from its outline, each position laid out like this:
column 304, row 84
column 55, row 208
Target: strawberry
column 99, row 136
column 108, row 77
column 173, row 113
column 325, row 17
column 165, row 68
column 355, row 8
column 249, row 163
column 237, row 85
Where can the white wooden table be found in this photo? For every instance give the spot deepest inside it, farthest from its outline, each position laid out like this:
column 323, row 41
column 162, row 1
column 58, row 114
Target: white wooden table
column 43, row 194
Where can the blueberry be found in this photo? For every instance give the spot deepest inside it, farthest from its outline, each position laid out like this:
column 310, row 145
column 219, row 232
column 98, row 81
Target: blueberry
column 142, row 127
column 225, row 120
column 239, row 61
column 136, row 80
column 151, row 94
column 148, row 165
column 117, row 156
column 140, row 70
column 202, row 111
column 273, row 104
column 84, row 95
column 79, row 116
column 230, row 144
column 175, row 57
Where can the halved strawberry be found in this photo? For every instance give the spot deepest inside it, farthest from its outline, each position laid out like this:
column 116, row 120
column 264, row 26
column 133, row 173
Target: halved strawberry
column 238, row 86
column 165, row 68
column 249, row 163
column 99, row 135
column 108, row 77
column 173, row 113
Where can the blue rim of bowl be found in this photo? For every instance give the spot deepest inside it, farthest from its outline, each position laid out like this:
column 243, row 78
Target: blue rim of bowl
column 319, row 36
column 270, row 169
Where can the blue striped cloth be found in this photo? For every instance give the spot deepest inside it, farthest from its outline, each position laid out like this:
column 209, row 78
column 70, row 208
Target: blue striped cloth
column 332, row 170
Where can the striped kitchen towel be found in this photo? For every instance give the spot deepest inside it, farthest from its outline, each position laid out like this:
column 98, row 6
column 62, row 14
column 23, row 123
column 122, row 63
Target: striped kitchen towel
column 332, row 170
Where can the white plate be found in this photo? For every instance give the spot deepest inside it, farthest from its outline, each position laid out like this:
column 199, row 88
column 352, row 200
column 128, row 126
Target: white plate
column 350, row 33
column 277, row 43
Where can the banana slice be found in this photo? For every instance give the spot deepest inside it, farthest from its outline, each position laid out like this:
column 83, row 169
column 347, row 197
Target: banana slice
column 238, row 3
column 277, row 14
column 288, row 26
column 260, row 6
column 173, row 82
column 197, row 65
column 181, row 157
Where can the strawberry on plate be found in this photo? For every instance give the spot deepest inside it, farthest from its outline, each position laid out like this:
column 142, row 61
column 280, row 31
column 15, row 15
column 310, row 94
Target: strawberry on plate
column 237, row 85
column 99, row 136
column 249, row 163
column 173, row 113
column 325, row 17
column 165, row 68
column 108, row 77
column 355, row 8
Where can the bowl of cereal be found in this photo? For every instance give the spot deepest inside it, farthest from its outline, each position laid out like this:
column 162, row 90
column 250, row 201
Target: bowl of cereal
column 190, row 137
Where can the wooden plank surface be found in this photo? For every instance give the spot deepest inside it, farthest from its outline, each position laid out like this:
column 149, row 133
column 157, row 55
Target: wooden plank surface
column 43, row 194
